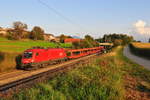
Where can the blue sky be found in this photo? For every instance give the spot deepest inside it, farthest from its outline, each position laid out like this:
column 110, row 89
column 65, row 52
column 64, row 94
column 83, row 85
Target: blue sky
column 94, row 17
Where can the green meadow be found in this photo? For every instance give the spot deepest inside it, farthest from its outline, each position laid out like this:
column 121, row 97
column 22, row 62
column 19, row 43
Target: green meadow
column 12, row 46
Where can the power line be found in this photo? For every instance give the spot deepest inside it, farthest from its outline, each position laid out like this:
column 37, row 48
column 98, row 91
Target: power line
column 61, row 15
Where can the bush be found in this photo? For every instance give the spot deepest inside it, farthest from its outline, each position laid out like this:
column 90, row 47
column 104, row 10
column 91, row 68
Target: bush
column 12, row 36
column 7, row 61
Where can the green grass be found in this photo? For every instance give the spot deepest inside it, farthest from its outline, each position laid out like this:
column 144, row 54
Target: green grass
column 3, row 39
column 19, row 46
column 36, row 94
column 102, row 78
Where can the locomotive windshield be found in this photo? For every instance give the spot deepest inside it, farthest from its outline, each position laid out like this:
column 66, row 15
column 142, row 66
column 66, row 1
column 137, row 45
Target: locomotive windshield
column 27, row 55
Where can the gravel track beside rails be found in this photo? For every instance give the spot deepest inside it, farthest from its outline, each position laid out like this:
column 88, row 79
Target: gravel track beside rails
column 12, row 81
column 9, row 75
column 9, row 72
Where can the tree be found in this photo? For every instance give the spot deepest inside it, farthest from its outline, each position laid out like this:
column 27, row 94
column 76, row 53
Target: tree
column 37, row 33
column 149, row 40
column 99, row 40
column 62, row 38
column 118, row 42
column 11, row 36
column 76, row 45
column 89, row 38
column 87, row 42
column 113, row 38
column 19, row 27
column 90, row 41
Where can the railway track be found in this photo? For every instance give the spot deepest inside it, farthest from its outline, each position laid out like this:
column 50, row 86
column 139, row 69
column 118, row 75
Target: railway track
column 13, row 81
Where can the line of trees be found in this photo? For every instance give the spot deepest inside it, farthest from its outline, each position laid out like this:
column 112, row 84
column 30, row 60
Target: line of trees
column 116, row 39
column 19, row 31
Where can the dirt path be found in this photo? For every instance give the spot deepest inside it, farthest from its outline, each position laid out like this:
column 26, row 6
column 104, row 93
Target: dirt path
column 138, row 60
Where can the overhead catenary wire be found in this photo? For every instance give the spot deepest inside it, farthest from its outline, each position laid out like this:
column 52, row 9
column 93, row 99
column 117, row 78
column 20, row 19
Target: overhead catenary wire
column 61, row 15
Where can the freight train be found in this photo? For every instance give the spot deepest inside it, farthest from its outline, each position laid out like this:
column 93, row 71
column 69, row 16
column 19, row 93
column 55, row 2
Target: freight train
column 39, row 57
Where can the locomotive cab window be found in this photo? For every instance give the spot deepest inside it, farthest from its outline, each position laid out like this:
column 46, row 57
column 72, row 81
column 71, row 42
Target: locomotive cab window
column 27, row 55
column 68, row 53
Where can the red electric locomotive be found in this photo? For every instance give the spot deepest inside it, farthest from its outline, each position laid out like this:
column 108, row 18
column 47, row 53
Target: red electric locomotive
column 39, row 57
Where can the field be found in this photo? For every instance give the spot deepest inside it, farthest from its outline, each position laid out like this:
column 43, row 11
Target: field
column 141, row 49
column 141, row 45
column 10, row 49
column 108, row 77
column 20, row 46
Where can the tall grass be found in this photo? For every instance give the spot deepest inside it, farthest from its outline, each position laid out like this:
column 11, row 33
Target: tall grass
column 40, row 92
column 8, row 61
column 91, row 82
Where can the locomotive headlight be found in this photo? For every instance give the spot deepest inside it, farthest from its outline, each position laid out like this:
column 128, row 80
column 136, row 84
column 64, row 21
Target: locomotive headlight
column 32, row 60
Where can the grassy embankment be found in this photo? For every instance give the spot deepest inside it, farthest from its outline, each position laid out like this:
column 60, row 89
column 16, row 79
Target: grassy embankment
column 141, row 49
column 9, row 49
column 108, row 77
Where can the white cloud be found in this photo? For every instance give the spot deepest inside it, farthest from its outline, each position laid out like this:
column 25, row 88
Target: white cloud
column 141, row 27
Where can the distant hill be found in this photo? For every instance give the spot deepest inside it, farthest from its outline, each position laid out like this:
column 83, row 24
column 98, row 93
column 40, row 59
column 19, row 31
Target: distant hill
column 76, row 37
